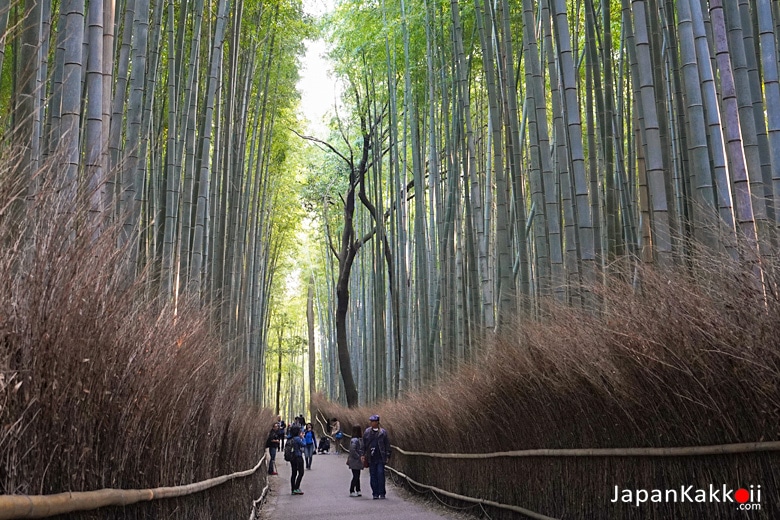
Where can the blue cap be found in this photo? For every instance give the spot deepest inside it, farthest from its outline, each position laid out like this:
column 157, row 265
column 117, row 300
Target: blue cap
column 374, row 418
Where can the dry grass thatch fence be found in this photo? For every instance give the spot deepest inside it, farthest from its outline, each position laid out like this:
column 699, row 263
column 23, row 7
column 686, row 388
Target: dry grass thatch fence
column 103, row 386
column 691, row 359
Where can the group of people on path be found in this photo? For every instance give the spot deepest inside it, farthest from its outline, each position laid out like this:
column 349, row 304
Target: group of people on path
column 369, row 448
column 303, row 445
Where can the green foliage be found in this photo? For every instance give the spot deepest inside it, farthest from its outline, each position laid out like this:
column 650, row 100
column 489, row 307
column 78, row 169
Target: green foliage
column 6, row 88
column 285, row 328
column 325, row 180
column 358, row 33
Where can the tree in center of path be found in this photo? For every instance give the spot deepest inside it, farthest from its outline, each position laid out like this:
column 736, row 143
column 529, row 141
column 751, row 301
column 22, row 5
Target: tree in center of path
column 355, row 162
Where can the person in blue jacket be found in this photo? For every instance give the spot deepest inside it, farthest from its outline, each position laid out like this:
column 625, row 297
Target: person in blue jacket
column 309, row 444
column 296, row 437
column 376, row 448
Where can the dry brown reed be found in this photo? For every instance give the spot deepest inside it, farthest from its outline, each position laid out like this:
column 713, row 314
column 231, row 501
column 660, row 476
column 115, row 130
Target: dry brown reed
column 104, row 386
column 687, row 357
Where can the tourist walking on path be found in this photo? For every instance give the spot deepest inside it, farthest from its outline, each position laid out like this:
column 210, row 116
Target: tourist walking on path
column 296, row 438
column 376, row 447
column 309, row 444
column 326, row 495
column 337, row 433
column 272, row 443
column 355, row 461
column 282, row 431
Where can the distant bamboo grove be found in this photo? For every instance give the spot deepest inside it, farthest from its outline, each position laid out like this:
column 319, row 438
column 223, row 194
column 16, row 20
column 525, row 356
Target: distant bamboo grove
column 490, row 156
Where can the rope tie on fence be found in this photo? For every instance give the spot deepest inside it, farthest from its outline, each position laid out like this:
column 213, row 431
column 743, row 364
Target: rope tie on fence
column 685, row 451
column 42, row 506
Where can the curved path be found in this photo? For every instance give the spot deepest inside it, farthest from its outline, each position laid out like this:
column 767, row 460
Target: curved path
column 326, row 495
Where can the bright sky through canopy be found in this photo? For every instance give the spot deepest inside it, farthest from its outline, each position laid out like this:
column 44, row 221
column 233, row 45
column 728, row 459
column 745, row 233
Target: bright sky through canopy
column 317, row 87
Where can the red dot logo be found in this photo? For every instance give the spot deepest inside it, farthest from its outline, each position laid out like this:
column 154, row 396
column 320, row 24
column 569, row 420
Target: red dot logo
column 741, row 495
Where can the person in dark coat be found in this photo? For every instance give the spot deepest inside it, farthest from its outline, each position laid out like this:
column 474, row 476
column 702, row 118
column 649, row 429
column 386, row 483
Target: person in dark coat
column 296, row 476
column 272, row 443
column 376, row 448
column 282, row 432
column 324, row 445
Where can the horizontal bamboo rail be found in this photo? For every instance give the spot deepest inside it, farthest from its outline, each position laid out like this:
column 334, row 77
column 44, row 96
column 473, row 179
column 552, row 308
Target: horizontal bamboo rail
column 516, row 509
column 687, row 451
column 42, row 506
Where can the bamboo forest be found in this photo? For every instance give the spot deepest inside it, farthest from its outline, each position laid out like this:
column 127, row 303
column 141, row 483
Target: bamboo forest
column 538, row 238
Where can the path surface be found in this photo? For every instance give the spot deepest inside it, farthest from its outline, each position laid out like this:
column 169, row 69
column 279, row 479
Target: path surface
column 326, row 495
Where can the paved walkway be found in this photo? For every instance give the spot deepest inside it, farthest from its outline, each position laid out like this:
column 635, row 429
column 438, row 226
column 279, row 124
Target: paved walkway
column 326, row 495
